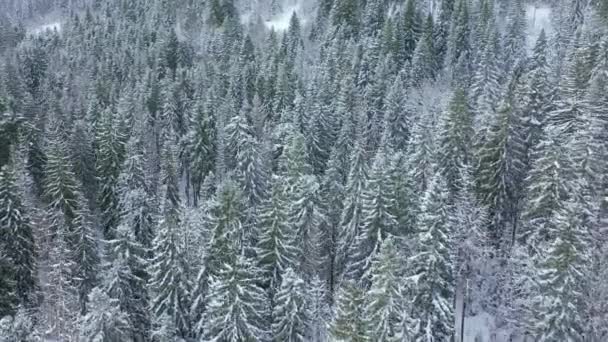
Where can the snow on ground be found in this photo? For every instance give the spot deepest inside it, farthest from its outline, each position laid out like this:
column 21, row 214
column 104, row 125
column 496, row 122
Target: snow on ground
column 538, row 17
column 36, row 30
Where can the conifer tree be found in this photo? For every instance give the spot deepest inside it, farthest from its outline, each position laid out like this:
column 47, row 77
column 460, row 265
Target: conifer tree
column 378, row 221
column 501, row 171
column 110, row 154
column 136, row 202
column 104, row 322
column 432, row 267
column 17, row 240
column 85, row 254
column 458, row 40
column 200, row 147
column 168, row 270
column 384, row 301
column 562, row 278
column 60, row 185
column 351, row 218
column 125, row 280
column 456, row 147
column 275, row 250
column 236, row 309
column 290, row 314
column 409, row 30
column 424, row 62
column 8, row 297
column 349, row 321
column 61, row 301
column 515, row 37
column 318, row 311
column 225, row 223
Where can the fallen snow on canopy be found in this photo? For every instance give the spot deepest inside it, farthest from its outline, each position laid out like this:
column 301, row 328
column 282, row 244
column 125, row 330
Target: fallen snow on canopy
column 54, row 26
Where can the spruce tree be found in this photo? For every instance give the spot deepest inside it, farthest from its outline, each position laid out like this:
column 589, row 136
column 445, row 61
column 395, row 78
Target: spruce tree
column 125, row 280
column 432, row 266
column 236, row 309
column 168, row 283
column 349, row 320
column 17, row 240
column 85, row 254
column 110, row 143
column 275, row 249
column 456, row 147
column 351, row 219
column 290, row 314
column 376, row 200
column 105, row 322
column 562, row 278
column 384, row 302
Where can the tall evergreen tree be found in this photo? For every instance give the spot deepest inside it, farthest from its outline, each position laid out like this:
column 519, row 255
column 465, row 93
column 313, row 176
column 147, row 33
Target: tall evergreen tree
column 384, row 302
column 236, row 309
column 17, row 240
column 349, row 321
column 290, row 315
column 561, row 278
column 168, row 269
column 110, row 142
column 378, row 221
column 432, row 267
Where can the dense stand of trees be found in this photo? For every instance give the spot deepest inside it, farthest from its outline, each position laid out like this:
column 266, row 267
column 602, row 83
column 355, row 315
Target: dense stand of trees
column 179, row 170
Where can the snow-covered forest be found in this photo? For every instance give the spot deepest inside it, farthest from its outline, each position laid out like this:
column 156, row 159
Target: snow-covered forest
column 304, row 170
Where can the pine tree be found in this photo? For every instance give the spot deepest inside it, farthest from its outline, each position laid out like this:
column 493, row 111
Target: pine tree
column 305, row 217
column 318, row 311
column 17, row 240
column 545, row 189
column 110, row 155
column 384, row 301
column 8, row 288
column 403, row 206
column 225, row 223
column 61, row 303
column 515, row 37
column 136, row 200
column 275, row 250
column 349, row 321
column 125, row 280
column 345, row 14
column 82, row 156
column 105, row 322
column 236, row 304
column 60, row 185
column 398, row 118
column 501, row 171
column 562, row 278
column 201, row 148
column 458, row 41
column 290, row 314
column 485, row 88
column 456, row 147
column 376, row 201
column 168, row 269
column 538, row 96
column 351, row 218
column 432, row 267
column 424, row 62
column 85, row 254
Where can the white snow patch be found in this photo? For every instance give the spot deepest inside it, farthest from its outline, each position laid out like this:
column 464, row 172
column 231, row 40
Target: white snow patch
column 538, row 18
column 280, row 22
column 54, row 26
